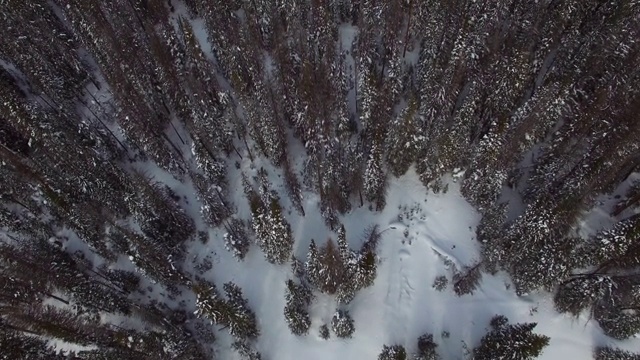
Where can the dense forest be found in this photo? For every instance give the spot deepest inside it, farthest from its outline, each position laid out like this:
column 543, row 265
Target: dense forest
column 110, row 109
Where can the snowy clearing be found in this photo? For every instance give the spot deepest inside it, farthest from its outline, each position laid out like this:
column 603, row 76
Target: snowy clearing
column 424, row 235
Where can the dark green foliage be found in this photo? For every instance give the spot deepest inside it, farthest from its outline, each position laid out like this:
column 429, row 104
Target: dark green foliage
column 107, row 354
column 505, row 341
column 245, row 351
column 440, row 282
column 240, row 318
column 324, row 332
column 342, row 324
column 125, row 280
column 233, row 313
column 404, row 140
column 331, row 275
column 296, row 311
column 426, row 348
column 467, row 282
column 375, row 181
column 394, row 352
column 581, row 292
column 498, row 321
column 618, row 322
column 15, row 345
column 272, row 229
column 608, row 353
column 236, row 239
column 616, row 247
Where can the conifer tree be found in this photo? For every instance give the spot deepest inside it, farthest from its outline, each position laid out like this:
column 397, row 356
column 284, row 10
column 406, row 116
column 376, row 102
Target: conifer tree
column 236, row 239
column 245, row 351
column 394, row 352
column 233, row 313
column 426, row 348
column 331, row 274
column 342, row 324
column 16, row 345
column 609, row 353
column 375, row 178
column 240, row 318
column 313, row 266
column 296, row 311
column 272, row 229
column 506, row 341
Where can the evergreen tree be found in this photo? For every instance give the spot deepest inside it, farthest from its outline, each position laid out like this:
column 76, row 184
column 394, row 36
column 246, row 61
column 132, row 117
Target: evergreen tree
column 426, row 348
column 581, row 292
column 331, row 273
column 608, row 353
column 245, row 351
column 324, row 332
column 342, row 324
column 467, row 282
column 296, row 312
column 404, row 140
column 375, row 179
column 617, row 321
column 16, row 345
column 240, row 318
column 236, row 239
column 394, row 352
column 233, row 313
column 506, row 341
column 272, row 229
column 313, row 266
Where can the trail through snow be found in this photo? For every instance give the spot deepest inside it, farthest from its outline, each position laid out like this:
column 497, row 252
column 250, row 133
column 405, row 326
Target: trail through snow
column 423, row 235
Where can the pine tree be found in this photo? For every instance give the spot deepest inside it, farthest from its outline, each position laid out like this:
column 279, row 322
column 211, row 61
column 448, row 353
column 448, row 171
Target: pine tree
column 581, row 292
column 404, row 140
column 349, row 286
column 324, row 332
column 313, row 266
column 236, row 239
column 16, row 345
column 233, row 313
column 207, row 299
column 272, row 229
column 467, row 282
column 375, row 179
column 618, row 321
column 608, row 353
column 331, row 274
column 506, row 341
column 296, row 311
column 426, row 348
column 342, row 324
column 245, row 351
column 241, row 319
column 366, row 270
column 394, row 352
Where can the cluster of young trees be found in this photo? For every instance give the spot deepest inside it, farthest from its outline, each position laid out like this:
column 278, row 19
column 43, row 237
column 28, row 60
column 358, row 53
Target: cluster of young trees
column 339, row 270
column 539, row 98
column 335, row 270
column 232, row 313
column 505, row 341
column 271, row 228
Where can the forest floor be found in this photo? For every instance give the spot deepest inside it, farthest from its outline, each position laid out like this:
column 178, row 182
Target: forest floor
column 424, row 235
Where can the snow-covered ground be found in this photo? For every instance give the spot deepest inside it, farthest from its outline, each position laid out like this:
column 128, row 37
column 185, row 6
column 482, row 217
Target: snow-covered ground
column 424, row 235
